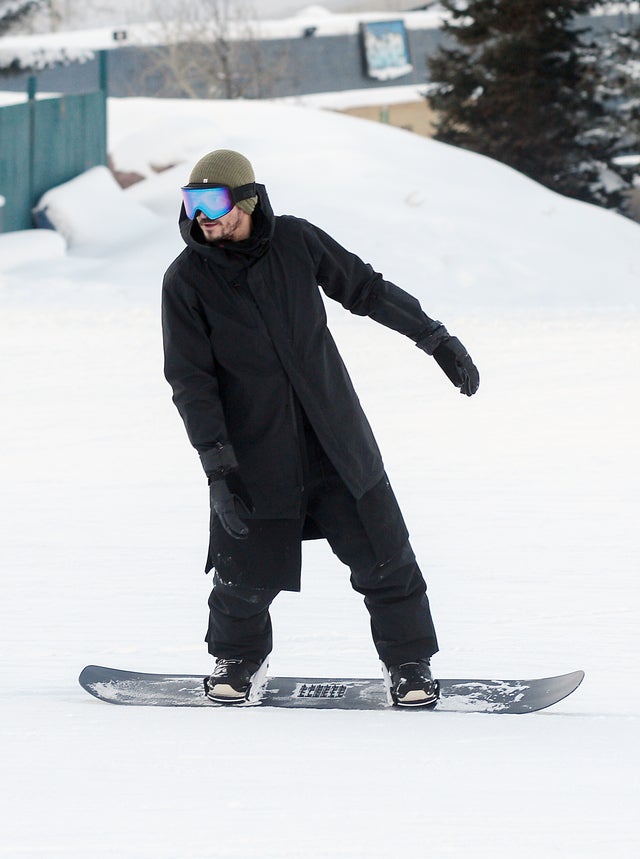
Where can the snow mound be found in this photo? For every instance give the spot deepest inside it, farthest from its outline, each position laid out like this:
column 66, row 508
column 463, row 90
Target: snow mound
column 25, row 245
column 313, row 12
column 454, row 228
column 92, row 211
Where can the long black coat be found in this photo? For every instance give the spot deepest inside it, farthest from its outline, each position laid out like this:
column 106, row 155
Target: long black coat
column 245, row 335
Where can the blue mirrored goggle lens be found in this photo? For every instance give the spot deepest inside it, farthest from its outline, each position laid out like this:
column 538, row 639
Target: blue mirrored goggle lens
column 213, row 202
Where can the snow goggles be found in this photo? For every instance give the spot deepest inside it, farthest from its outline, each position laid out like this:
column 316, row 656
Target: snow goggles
column 214, row 201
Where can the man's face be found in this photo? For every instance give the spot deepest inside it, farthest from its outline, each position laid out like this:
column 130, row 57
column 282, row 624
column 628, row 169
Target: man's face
column 232, row 227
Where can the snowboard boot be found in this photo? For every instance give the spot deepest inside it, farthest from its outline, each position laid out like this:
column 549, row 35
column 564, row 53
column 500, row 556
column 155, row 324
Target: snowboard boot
column 235, row 680
column 411, row 684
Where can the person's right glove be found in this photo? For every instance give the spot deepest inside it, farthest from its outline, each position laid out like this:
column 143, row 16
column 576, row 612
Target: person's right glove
column 452, row 358
column 225, row 503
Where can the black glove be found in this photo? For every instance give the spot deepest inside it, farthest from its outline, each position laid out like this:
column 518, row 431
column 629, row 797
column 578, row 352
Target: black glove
column 225, row 504
column 452, row 358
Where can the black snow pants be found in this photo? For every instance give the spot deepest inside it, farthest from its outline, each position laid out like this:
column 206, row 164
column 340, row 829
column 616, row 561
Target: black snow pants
column 394, row 593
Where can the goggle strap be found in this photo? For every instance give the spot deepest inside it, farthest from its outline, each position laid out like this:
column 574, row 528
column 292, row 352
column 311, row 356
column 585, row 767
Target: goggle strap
column 243, row 192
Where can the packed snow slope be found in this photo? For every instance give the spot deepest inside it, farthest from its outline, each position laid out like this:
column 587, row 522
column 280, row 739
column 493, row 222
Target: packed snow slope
column 522, row 504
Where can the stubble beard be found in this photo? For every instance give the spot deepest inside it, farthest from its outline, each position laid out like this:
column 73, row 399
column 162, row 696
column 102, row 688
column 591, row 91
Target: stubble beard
column 223, row 229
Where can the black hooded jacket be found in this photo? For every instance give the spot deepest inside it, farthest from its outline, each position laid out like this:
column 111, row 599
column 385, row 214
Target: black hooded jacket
column 246, row 340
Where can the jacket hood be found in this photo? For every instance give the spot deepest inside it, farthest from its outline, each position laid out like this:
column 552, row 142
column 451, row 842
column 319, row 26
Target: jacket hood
column 233, row 253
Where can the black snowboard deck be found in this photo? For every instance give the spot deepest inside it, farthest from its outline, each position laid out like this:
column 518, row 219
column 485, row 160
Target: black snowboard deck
column 328, row 693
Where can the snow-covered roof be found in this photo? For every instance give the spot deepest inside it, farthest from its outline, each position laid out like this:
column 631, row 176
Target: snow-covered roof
column 76, row 45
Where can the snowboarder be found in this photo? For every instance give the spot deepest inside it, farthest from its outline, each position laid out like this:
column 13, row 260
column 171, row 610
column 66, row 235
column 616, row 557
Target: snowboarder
column 268, row 404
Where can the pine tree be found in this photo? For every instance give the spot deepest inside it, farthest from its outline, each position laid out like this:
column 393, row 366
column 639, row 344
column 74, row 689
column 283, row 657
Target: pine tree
column 520, row 86
column 618, row 92
column 13, row 12
column 15, row 17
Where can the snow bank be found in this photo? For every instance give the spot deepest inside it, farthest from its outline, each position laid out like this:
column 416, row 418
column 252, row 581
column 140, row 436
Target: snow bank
column 92, row 211
column 25, row 246
column 456, row 229
column 452, row 227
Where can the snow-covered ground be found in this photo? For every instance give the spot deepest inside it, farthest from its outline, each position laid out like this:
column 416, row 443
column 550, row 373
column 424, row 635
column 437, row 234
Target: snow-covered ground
column 522, row 504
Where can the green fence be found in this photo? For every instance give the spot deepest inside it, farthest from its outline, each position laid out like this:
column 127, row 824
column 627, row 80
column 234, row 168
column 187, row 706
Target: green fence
column 14, row 165
column 43, row 143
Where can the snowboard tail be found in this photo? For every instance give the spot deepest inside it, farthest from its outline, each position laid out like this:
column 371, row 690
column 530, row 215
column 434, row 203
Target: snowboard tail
column 328, row 693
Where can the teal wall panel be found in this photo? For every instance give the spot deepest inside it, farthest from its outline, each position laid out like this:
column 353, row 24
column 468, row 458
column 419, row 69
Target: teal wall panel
column 15, row 180
column 69, row 138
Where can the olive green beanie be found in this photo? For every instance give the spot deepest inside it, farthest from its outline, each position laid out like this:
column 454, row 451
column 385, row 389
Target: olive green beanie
column 226, row 167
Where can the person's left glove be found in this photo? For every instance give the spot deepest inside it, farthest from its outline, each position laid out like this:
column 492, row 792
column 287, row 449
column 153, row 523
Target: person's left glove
column 452, row 358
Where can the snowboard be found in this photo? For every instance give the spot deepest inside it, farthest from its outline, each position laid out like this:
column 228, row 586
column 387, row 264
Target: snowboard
column 328, row 693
